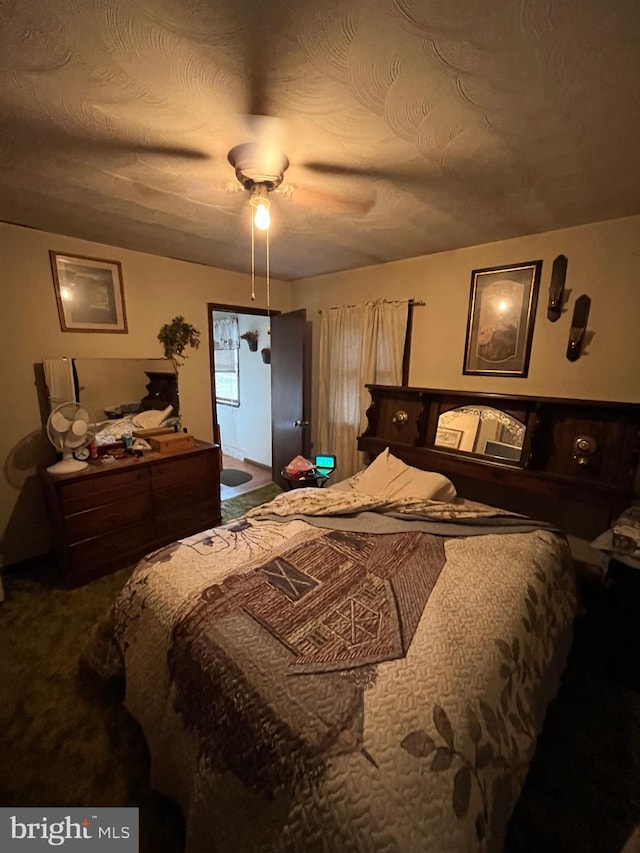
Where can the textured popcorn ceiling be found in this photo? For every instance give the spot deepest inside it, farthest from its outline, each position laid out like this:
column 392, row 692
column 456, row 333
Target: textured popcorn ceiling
column 411, row 126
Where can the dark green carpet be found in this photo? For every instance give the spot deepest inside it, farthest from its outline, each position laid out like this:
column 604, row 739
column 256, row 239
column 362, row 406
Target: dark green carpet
column 235, row 507
column 65, row 740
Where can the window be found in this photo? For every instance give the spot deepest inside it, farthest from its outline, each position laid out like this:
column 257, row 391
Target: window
column 227, row 377
column 227, row 365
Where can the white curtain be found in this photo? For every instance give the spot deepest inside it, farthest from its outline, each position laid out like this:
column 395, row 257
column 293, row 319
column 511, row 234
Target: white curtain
column 359, row 344
column 225, row 334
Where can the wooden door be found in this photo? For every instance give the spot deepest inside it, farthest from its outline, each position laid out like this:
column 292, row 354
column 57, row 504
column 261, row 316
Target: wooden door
column 290, row 389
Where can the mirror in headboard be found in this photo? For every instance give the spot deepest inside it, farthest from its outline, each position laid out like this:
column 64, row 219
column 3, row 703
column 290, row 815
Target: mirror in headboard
column 110, row 387
column 571, row 462
column 481, row 429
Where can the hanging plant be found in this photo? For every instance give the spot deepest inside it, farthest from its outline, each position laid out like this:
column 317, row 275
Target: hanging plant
column 252, row 340
column 266, row 355
column 176, row 336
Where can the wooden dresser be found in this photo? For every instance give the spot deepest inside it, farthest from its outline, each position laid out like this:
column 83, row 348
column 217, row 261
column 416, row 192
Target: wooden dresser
column 109, row 515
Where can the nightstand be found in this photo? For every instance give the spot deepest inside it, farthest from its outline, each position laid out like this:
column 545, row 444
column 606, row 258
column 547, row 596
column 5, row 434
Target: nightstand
column 611, row 620
column 622, row 591
column 304, row 480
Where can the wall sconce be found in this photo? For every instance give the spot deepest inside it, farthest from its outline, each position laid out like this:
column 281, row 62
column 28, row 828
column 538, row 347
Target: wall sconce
column 584, row 446
column 556, row 288
column 578, row 327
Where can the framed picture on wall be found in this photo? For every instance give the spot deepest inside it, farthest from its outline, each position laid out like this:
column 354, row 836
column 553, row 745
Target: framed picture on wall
column 89, row 293
column 502, row 308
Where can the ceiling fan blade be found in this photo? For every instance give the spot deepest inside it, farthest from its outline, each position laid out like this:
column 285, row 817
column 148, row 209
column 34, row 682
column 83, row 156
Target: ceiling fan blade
column 267, row 135
column 125, row 147
column 181, row 151
column 338, row 170
column 258, row 43
column 75, row 139
column 333, row 202
column 257, row 64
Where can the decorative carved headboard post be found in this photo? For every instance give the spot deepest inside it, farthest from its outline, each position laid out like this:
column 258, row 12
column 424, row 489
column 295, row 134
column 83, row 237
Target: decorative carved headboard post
column 372, row 413
column 531, row 431
column 425, row 428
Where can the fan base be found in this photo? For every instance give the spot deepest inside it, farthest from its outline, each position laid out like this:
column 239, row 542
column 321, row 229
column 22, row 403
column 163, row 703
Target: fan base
column 257, row 165
column 68, row 465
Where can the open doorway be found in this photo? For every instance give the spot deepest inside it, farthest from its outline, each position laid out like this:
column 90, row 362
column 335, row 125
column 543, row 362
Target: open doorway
column 283, row 390
column 239, row 343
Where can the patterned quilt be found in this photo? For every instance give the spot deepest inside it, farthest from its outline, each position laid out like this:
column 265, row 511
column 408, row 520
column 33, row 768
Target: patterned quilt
column 307, row 683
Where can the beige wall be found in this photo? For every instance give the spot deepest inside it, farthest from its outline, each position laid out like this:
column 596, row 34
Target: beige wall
column 156, row 289
column 603, row 262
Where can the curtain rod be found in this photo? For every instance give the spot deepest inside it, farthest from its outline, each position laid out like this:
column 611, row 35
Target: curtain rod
column 389, row 301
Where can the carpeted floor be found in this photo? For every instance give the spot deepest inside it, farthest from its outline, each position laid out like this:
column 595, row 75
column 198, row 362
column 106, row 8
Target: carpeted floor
column 64, row 740
column 582, row 794
column 235, row 507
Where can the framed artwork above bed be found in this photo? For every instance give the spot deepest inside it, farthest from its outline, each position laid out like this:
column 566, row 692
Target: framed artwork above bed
column 502, row 309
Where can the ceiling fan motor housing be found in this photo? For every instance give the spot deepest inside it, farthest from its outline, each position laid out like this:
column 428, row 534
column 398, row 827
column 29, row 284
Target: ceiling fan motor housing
column 256, row 165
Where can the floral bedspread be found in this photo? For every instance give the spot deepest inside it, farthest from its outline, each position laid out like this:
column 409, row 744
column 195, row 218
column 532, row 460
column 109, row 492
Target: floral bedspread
column 304, row 688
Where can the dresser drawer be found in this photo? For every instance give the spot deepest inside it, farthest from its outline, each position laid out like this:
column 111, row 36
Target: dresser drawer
column 96, row 491
column 109, row 518
column 184, row 495
column 187, row 520
column 201, row 467
column 112, row 548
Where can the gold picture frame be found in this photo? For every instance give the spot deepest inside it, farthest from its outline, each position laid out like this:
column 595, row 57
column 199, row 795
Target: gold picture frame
column 502, row 308
column 89, row 294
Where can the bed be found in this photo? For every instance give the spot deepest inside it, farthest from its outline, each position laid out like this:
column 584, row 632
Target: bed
column 359, row 668
column 109, row 432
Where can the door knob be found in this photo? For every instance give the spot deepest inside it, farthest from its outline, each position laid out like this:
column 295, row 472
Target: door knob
column 300, row 423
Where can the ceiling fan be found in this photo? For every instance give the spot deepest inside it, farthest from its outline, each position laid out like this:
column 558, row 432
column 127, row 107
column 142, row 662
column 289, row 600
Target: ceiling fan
column 260, row 168
column 260, row 164
column 259, row 160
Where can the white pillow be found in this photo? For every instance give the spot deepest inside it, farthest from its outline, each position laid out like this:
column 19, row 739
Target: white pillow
column 389, row 477
column 151, row 417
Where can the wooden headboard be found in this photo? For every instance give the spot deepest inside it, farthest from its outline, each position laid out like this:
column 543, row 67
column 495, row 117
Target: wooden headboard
column 580, row 487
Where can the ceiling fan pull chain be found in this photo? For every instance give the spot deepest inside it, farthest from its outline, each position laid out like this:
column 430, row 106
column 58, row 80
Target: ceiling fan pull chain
column 253, row 262
column 268, row 282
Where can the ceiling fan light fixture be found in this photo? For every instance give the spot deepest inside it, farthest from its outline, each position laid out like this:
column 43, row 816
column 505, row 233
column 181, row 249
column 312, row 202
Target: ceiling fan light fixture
column 260, row 169
column 260, row 203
